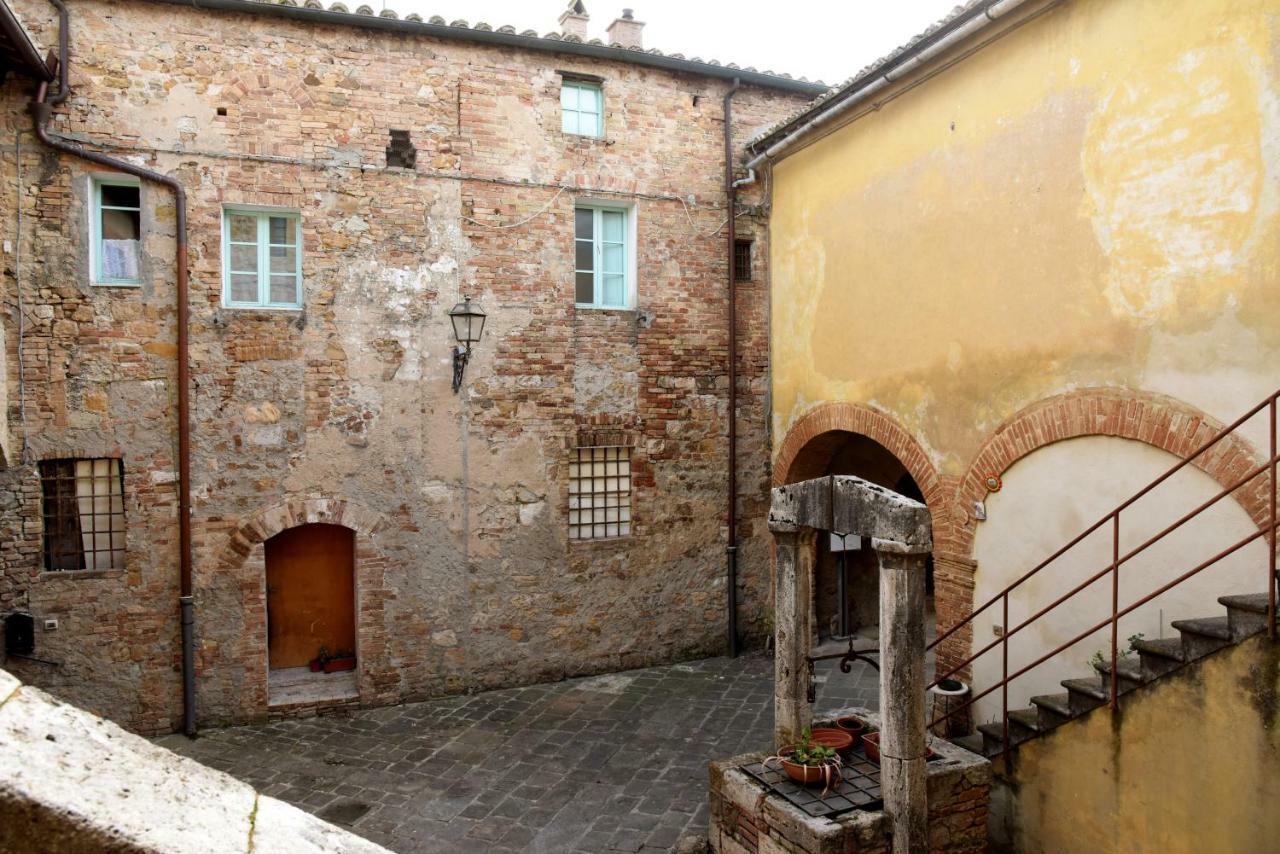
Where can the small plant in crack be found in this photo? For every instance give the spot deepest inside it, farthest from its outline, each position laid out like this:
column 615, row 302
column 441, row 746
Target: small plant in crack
column 1099, row 660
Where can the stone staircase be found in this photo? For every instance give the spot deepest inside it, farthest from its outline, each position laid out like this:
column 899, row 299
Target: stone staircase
column 1246, row 616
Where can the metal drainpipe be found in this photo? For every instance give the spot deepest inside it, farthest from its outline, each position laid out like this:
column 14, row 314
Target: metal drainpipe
column 41, row 111
column 731, row 551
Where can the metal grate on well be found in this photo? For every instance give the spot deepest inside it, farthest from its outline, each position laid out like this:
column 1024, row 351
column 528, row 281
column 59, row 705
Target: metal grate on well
column 859, row 788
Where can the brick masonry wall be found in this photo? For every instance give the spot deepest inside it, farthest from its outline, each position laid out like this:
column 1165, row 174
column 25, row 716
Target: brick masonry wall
column 466, row 577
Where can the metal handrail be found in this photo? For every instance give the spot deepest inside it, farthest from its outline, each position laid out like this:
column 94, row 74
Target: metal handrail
column 1117, row 560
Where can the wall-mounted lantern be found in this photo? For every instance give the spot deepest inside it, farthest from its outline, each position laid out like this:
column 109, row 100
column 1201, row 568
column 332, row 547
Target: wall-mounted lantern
column 468, row 325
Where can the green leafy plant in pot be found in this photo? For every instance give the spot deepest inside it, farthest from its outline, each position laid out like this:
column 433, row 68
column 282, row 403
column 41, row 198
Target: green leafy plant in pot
column 810, row 763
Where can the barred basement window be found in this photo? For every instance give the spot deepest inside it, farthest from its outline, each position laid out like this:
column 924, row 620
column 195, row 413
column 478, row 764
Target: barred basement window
column 600, row 493
column 742, row 260
column 83, row 514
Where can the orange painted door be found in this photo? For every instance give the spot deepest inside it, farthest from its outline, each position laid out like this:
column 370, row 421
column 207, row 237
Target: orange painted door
column 310, row 594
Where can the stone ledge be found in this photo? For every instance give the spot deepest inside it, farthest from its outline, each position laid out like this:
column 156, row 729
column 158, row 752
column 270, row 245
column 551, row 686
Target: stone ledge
column 74, row 782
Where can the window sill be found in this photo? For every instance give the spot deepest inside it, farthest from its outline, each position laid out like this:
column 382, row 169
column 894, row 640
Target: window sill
column 274, row 309
column 615, row 309
column 79, row 574
column 115, row 284
column 604, row 542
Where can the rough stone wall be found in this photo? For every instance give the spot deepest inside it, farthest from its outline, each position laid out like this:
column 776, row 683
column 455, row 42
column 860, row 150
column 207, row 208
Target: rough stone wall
column 466, row 577
column 73, row 782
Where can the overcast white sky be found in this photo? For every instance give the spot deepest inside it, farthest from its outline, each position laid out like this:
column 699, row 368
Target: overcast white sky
column 826, row 39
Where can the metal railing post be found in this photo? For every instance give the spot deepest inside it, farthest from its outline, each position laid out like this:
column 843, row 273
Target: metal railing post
column 1115, row 608
column 1271, row 531
column 1004, row 680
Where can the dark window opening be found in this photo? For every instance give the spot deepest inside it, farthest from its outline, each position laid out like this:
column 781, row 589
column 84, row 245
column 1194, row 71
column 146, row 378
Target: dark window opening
column 222, row 111
column 401, row 152
column 83, row 510
column 742, row 260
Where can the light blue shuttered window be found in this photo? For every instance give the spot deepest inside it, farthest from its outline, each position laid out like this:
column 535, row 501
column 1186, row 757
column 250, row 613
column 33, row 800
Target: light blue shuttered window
column 261, row 259
column 601, row 257
column 116, row 231
column 581, row 108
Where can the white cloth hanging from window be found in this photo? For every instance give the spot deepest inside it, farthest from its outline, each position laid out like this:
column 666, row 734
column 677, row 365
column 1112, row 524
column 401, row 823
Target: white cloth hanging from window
column 101, row 507
column 120, row 259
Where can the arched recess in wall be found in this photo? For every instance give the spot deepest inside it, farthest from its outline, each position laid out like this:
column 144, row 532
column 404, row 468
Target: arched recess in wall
column 1063, row 463
column 842, row 439
column 1154, row 419
column 231, row 600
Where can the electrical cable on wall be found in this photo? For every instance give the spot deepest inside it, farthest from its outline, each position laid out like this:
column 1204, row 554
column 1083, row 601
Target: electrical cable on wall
column 17, row 287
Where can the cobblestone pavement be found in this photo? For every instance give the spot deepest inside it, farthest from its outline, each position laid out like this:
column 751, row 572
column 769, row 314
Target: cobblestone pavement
column 607, row 763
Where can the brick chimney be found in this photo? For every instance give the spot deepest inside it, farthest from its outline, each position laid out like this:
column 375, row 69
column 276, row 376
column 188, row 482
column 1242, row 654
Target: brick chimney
column 626, row 31
column 573, row 21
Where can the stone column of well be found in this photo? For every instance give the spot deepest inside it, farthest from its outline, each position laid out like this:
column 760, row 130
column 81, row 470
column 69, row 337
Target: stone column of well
column 902, row 687
column 791, row 595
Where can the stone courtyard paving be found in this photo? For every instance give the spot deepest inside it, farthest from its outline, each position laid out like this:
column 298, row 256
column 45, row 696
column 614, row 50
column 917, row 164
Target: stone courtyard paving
column 600, row 764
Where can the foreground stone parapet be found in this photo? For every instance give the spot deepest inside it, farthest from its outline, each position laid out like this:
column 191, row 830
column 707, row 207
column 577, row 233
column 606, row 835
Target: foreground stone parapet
column 73, row 782
column 745, row 818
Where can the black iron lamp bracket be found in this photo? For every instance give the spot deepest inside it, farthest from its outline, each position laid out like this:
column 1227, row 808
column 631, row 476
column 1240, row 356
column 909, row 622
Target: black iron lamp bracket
column 847, row 658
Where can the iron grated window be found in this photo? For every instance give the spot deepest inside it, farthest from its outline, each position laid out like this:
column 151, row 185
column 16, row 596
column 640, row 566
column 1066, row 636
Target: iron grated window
column 742, row 260
column 600, row 493
column 83, row 514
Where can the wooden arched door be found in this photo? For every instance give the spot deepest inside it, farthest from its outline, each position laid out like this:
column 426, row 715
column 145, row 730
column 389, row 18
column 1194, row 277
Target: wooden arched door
column 311, row 599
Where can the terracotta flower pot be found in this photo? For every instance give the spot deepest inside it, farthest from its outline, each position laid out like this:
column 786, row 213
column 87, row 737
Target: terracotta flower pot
column 336, row 665
column 315, row 665
column 837, row 739
column 871, row 745
column 811, row 775
column 853, row 726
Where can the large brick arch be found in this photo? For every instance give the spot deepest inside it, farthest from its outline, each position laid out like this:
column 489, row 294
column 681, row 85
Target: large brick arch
column 1154, row 419
column 866, row 421
column 268, row 522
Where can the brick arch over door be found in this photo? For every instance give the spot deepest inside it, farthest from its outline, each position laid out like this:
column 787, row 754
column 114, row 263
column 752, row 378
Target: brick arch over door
column 869, row 422
column 231, row 609
column 1154, row 419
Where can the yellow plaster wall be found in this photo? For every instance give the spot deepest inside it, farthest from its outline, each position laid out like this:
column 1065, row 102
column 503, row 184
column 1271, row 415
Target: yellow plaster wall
column 1090, row 200
column 1189, row 764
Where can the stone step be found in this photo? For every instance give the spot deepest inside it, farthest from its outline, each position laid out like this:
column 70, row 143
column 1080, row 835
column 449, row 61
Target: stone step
column 1203, row 636
column 1159, row 657
column 971, row 743
column 1246, row 614
column 1053, row 709
column 1022, row 727
column 1128, row 672
column 1085, row 695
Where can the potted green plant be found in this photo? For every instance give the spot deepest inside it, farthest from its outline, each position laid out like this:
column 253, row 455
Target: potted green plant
column 322, row 657
column 810, row 763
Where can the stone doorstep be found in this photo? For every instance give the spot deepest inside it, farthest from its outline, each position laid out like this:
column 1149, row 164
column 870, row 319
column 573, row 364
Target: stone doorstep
column 952, row 779
column 298, row 686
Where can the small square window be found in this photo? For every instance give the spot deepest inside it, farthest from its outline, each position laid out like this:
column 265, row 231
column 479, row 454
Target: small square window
column 600, row 493
column 742, row 260
column 116, row 232
column 582, row 108
column 602, row 257
column 261, row 259
column 83, row 511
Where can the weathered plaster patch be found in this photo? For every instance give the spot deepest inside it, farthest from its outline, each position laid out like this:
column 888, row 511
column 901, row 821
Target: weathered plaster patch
column 1176, row 162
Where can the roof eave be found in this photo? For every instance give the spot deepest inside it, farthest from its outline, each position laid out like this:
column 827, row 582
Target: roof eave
column 634, row 56
column 22, row 56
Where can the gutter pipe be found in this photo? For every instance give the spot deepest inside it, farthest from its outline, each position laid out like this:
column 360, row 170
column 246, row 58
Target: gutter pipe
column 41, row 109
column 731, row 550
column 895, row 70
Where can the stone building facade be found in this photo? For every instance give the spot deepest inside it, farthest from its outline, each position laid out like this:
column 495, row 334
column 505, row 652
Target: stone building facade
column 338, row 411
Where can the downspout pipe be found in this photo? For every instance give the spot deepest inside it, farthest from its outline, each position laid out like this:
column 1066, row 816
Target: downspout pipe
column 41, row 109
column 891, row 72
column 731, row 550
